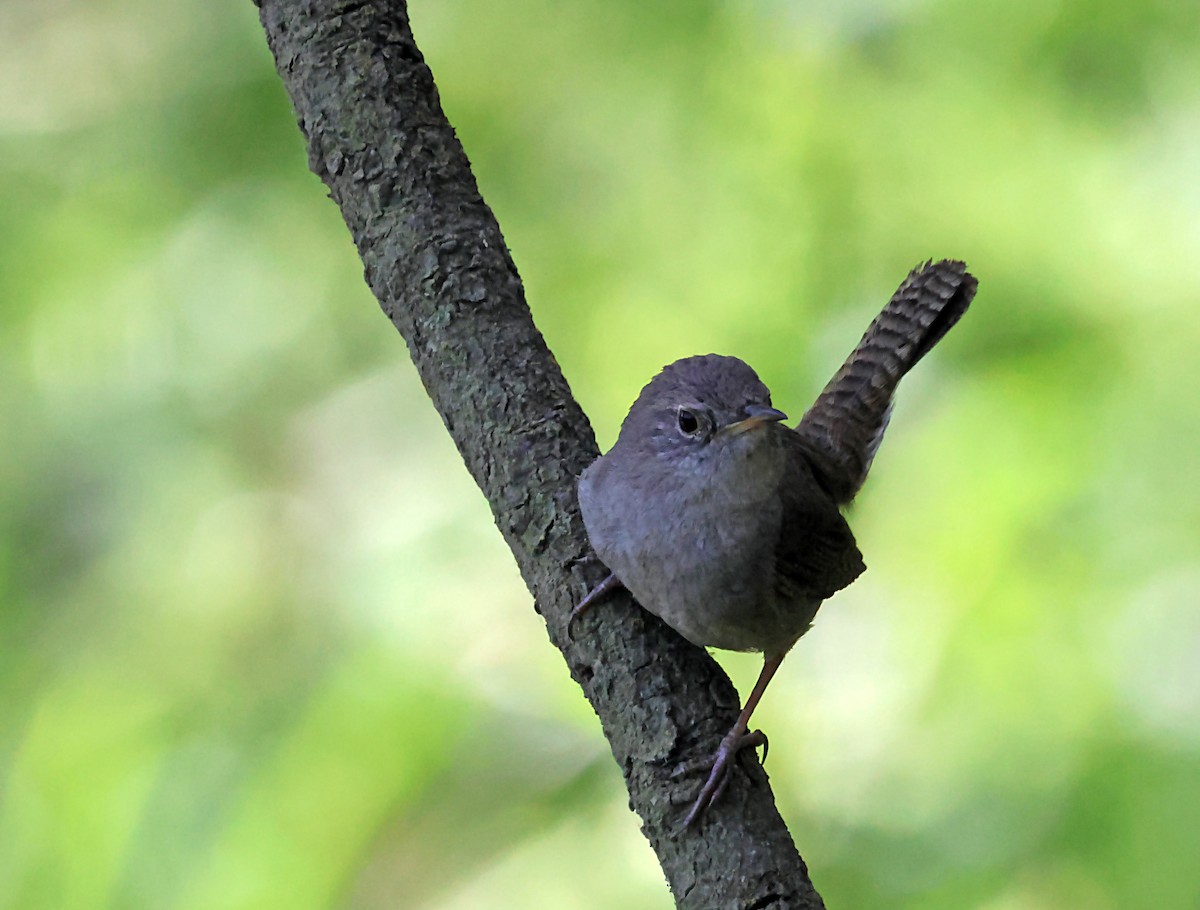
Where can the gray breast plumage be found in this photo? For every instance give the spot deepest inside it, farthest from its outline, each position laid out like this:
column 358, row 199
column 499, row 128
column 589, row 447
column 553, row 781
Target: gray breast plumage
column 694, row 539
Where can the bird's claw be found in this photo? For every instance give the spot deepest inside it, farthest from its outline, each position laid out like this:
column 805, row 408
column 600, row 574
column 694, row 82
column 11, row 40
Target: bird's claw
column 610, row 584
column 718, row 777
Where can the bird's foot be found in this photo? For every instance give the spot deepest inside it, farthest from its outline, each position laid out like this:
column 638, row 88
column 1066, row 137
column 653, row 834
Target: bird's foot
column 610, row 584
column 718, row 777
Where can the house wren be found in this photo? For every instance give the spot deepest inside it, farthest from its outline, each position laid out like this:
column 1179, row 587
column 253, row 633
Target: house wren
column 725, row 523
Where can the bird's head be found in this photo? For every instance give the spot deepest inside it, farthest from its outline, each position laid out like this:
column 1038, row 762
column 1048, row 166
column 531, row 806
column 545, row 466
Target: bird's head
column 698, row 406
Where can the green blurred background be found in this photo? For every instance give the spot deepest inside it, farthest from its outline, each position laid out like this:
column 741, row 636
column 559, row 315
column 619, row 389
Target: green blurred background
column 260, row 644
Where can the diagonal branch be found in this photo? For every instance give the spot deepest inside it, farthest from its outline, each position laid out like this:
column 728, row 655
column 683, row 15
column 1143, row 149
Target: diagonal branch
column 435, row 259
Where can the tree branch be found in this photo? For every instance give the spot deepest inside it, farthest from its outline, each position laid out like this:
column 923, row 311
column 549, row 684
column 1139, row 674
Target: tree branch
column 435, row 259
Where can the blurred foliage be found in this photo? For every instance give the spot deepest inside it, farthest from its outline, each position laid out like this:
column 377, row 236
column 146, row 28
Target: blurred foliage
column 260, row 645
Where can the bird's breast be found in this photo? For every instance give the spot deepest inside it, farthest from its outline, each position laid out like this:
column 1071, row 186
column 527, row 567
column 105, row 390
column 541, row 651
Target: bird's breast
column 696, row 546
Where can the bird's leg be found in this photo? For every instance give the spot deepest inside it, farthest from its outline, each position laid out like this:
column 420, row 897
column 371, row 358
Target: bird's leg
column 610, row 584
column 735, row 740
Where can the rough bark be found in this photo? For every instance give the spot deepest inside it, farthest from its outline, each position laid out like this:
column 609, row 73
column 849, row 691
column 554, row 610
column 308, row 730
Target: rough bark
column 435, row 258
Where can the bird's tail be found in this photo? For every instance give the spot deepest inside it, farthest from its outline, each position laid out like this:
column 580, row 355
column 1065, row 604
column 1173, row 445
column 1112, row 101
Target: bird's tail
column 846, row 423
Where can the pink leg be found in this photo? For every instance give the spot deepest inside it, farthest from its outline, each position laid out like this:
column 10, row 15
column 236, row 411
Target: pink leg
column 590, row 599
column 735, row 740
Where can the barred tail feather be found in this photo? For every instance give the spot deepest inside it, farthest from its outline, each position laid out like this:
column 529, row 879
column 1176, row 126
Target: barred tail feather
column 845, row 425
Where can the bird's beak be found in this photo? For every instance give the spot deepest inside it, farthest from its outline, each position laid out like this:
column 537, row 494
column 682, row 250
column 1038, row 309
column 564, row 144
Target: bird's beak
column 759, row 416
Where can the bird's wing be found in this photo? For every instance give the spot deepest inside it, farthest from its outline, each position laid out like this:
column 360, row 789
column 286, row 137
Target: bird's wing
column 846, row 423
column 816, row 554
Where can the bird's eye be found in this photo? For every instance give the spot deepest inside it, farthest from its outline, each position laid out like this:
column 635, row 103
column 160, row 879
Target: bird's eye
column 688, row 422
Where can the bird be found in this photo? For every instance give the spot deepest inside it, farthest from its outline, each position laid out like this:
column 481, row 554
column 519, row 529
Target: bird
column 725, row 522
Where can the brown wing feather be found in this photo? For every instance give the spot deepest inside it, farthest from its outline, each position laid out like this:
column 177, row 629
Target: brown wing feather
column 816, row 554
